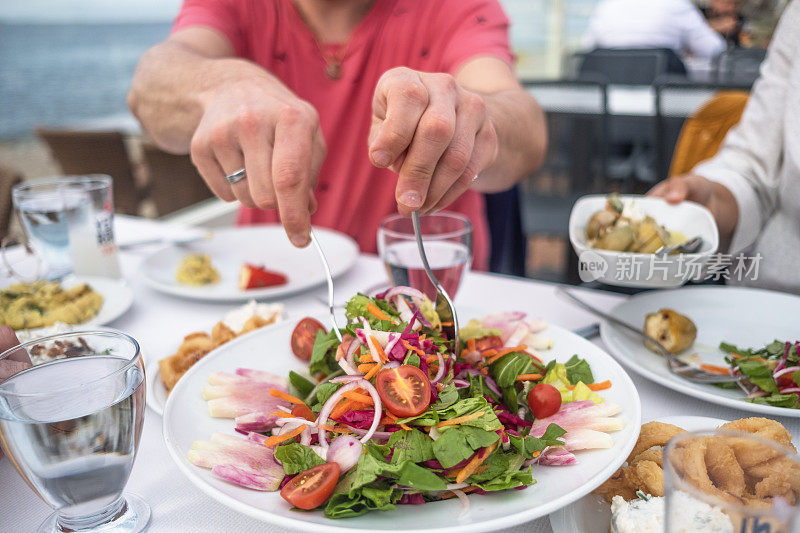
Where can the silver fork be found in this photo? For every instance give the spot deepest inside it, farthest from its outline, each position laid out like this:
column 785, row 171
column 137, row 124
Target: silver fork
column 324, row 260
column 444, row 304
column 675, row 365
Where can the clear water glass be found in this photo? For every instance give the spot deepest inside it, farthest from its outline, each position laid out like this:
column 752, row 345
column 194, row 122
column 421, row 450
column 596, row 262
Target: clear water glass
column 69, row 221
column 730, row 482
column 448, row 245
column 70, row 423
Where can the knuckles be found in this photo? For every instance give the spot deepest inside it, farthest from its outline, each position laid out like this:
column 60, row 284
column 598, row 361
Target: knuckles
column 437, row 127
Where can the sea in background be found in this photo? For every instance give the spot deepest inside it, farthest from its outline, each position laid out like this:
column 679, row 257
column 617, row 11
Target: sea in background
column 66, row 74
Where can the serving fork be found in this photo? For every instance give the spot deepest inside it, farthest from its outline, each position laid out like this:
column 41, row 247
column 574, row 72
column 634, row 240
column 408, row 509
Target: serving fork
column 444, row 304
column 329, row 278
column 676, row 366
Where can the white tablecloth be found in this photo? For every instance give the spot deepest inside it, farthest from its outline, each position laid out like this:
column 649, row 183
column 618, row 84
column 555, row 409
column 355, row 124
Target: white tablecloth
column 159, row 321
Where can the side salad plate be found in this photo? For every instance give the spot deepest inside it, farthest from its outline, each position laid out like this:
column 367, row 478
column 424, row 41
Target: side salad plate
column 731, row 324
column 397, row 422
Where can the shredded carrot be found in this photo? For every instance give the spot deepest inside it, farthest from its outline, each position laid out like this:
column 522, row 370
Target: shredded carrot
column 374, row 370
column 379, row 349
column 377, row 313
column 277, row 439
column 415, row 350
column 474, row 463
column 465, row 490
column 422, row 337
column 284, row 396
column 281, row 414
column 507, row 351
column 335, row 429
column 432, row 358
column 320, row 376
column 439, row 387
column 460, row 419
column 736, row 355
column 490, row 352
column 714, row 369
column 603, row 385
column 447, row 323
column 407, row 428
column 358, row 397
column 366, row 357
column 471, row 345
column 485, row 371
column 463, row 353
column 348, row 405
column 529, row 377
column 537, row 453
column 391, row 417
column 366, row 367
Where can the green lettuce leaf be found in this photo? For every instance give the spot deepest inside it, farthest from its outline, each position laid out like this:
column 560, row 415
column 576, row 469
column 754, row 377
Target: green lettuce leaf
column 447, row 397
column 759, row 374
column 459, row 443
column 474, row 330
column 777, row 400
column 578, row 370
column 527, row 446
column 413, row 445
column 301, row 385
column 506, row 369
column 347, row 501
column 296, row 458
column 512, row 476
column 323, row 356
column 487, row 421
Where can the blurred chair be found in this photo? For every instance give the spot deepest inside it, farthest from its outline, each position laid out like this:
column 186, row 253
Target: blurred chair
column 508, row 244
column 8, row 178
column 702, row 133
column 739, row 66
column 97, row 152
column 174, row 182
column 631, row 154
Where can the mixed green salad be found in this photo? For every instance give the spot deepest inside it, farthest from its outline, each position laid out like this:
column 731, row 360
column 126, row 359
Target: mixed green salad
column 770, row 375
column 392, row 416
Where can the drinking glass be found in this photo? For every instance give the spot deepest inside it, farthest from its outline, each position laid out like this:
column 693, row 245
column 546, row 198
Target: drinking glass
column 69, row 221
column 70, row 423
column 727, row 481
column 448, row 244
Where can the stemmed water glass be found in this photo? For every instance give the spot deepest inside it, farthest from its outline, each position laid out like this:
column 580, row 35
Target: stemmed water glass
column 70, row 423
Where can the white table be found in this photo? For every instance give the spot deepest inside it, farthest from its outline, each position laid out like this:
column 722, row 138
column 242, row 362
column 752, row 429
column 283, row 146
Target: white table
column 159, row 321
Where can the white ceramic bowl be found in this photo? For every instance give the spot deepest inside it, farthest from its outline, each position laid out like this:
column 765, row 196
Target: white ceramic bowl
column 627, row 269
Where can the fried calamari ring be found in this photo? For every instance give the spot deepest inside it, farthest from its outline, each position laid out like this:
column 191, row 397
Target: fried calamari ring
column 723, row 468
column 764, row 428
column 654, row 434
column 655, row 454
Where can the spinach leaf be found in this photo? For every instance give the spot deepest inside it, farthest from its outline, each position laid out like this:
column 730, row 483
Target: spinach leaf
column 527, row 446
column 296, row 458
column 506, row 369
column 759, row 373
column 579, row 370
column 301, row 385
column 411, row 445
column 323, row 354
column 777, row 400
column 511, row 477
column 412, row 359
column 348, row 502
column 511, row 398
column 459, row 443
column 324, row 391
column 487, row 421
column 447, row 397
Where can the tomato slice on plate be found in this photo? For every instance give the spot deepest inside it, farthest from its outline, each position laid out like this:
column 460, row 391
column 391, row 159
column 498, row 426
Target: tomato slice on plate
column 544, row 400
column 404, row 391
column 303, row 337
column 310, row 488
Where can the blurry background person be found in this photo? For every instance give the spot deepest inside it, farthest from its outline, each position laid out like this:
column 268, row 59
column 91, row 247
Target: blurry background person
column 725, row 18
column 425, row 89
column 752, row 186
column 674, row 24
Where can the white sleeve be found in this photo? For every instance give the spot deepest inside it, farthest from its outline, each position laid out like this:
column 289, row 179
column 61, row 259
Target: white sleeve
column 750, row 158
column 697, row 37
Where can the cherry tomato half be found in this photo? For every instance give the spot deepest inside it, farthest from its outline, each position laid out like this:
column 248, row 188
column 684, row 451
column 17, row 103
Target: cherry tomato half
column 303, row 337
column 544, row 400
column 310, row 488
column 785, row 380
column 404, row 391
column 486, row 343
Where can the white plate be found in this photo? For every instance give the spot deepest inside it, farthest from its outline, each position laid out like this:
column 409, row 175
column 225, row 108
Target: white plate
column 260, row 245
column 186, row 420
column 748, row 318
column 592, row 514
column 117, row 299
column 606, row 266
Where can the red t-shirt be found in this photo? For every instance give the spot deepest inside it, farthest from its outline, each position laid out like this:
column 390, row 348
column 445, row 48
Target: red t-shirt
column 425, row 35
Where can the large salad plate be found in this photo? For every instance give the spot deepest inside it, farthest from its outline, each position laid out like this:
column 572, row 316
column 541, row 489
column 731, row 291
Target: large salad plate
column 740, row 316
column 265, row 246
column 186, row 419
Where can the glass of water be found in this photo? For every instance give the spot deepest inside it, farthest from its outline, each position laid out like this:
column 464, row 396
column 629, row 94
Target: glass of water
column 69, row 222
column 448, row 245
column 730, row 482
column 70, row 422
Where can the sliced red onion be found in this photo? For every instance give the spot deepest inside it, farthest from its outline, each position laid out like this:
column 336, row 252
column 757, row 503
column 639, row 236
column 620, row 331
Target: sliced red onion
column 348, row 368
column 392, row 364
column 375, row 435
column 345, row 379
column 405, row 291
column 344, row 450
column 782, row 363
column 790, row 390
column 334, row 399
column 406, row 314
column 394, row 338
column 288, row 424
column 326, row 380
column 492, row 384
column 456, row 486
column 787, row 370
column 440, row 372
column 464, row 502
column 461, row 383
column 757, row 393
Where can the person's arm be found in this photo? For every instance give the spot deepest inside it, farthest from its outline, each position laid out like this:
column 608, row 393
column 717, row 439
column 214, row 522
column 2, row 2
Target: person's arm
column 697, row 37
column 740, row 184
column 192, row 96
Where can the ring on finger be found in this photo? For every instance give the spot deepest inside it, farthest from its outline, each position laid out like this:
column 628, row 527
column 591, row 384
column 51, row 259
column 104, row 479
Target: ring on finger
column 236, row 177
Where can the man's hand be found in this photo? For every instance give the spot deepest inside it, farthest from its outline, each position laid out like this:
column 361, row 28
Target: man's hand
column 435, row 134
column 275, row 137
column 717, row 198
